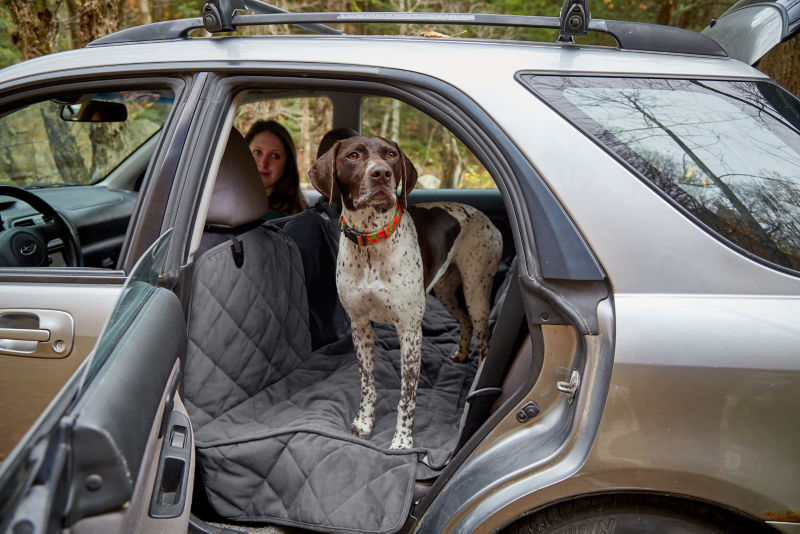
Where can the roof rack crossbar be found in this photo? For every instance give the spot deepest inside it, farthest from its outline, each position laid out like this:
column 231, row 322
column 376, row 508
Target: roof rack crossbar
column 635, row 36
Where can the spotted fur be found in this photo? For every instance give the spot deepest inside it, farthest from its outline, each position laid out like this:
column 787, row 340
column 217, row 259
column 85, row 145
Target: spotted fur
column 386, row 282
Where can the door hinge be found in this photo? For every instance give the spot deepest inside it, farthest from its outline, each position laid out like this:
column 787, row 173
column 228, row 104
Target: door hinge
column 571, row 387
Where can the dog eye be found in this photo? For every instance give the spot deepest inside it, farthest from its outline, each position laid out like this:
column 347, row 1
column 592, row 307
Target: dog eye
column 391, row 154
column 352, row 155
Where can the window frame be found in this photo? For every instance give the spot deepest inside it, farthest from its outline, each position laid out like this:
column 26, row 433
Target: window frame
column 23, row 93
column 551, row 247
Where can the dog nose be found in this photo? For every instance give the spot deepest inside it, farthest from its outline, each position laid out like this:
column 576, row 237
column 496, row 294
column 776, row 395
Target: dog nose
column 380, row 172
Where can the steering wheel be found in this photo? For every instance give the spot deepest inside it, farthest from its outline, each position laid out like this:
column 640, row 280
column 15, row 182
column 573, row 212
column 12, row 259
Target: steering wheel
column 26, row 246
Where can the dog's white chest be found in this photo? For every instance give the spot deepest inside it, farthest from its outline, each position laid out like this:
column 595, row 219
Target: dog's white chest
column 383, row 281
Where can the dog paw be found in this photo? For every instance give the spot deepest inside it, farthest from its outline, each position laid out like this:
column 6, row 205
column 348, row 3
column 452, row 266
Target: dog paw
column 459, row 357
column 357, row 432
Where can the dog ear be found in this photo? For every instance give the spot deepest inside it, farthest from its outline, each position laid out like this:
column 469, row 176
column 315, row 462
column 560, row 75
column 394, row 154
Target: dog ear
column 409, row 178
column 322, row 174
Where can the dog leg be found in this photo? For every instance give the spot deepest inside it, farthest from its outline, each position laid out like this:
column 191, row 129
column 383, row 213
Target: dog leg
column 410, row 356
column 446, row 290
column 364, row 340
column 477, row 290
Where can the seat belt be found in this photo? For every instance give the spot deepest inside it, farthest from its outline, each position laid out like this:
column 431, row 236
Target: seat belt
column 508, row 332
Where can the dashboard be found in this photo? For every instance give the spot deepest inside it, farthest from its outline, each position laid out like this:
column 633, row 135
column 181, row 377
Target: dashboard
column 99, row 214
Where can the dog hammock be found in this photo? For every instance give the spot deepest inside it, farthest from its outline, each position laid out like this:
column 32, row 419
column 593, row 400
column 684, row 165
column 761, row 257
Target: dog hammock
column 270, row 415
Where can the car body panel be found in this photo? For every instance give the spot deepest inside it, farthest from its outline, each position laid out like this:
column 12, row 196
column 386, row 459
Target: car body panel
column 672, row 383
column 751, row 28
column 381, row 52
column 114, row 442
column 673, row 355
column 653, row 254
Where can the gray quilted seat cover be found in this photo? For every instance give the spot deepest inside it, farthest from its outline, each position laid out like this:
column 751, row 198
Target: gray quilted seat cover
column 270, row 414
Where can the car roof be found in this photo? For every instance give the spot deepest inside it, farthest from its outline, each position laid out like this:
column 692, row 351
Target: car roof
column 437, row 57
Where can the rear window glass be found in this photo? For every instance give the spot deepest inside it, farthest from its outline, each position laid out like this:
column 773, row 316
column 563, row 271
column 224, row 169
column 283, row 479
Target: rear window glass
column 727, row 152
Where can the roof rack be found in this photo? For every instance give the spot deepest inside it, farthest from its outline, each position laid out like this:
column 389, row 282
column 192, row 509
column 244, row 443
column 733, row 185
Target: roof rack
column 574, row 20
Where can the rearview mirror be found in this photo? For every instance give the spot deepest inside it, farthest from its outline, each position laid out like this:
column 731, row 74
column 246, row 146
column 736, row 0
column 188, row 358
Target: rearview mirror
column 94, row 111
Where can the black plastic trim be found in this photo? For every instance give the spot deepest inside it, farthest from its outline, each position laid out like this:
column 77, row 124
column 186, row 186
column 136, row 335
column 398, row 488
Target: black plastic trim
column 157, row 31
column 170, row 489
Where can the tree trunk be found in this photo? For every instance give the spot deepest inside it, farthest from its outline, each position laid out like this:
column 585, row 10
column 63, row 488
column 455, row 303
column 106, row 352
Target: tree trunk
column 394, row 132
column 107, row 145
column 387, row 115
column 664, row 12
column 63, row 147
column 33, row 21
column 98, row 18
column 144, row 12
column 451, row 163
column 74, row 23
column 782, row 64
column 304, row 149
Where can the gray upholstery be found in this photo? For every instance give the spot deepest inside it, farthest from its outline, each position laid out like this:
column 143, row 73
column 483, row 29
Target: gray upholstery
column 239, row 196
column 270, row 415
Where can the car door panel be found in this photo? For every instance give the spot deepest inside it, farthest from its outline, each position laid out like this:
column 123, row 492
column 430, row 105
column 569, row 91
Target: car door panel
column 116, row 413
column 27, row 375
column 91, row 466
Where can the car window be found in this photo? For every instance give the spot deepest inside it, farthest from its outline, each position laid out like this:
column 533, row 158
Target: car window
column 77, row 139
column 71, row 166
column 442, row 161
column 727, row 152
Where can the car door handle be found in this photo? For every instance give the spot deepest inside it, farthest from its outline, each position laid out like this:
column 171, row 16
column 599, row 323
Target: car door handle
column 36, row 333
column 24, row 334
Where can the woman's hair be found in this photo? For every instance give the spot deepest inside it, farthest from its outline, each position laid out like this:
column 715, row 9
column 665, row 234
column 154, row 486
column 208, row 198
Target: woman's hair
column 286, row 197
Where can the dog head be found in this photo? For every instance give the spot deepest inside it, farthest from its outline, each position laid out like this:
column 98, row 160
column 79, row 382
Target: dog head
column 366, row 171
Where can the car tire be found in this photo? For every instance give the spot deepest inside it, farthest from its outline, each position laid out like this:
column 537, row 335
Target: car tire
column 634, row 514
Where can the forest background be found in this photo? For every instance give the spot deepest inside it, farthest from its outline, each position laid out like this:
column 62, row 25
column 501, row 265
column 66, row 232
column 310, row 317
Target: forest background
column 30, row 28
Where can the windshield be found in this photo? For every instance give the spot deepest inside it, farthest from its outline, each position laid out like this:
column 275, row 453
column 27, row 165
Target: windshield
column 78, row 139
column 728, row 152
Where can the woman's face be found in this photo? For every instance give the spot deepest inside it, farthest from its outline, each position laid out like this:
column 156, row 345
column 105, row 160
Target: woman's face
column 270, row 157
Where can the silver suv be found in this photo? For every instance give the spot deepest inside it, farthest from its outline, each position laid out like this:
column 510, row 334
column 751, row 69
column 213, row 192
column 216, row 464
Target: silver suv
column 167, row 366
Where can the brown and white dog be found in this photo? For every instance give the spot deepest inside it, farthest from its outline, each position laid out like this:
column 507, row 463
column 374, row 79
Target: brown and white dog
column 391, row 255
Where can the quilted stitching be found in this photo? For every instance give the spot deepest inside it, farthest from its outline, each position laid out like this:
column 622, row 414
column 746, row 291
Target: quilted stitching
column 270, row 415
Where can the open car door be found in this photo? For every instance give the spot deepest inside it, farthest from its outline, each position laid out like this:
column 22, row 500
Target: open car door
column 114, row 451
column 751, row 28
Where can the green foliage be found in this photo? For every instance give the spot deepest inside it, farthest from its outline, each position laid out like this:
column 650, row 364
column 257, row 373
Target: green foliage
column 9, row 54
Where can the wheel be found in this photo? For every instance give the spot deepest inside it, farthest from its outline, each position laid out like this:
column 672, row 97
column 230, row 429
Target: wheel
column 26, row 246
column 634, row 514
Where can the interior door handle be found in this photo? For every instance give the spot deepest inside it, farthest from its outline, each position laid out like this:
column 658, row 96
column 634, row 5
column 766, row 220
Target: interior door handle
column 36, row 333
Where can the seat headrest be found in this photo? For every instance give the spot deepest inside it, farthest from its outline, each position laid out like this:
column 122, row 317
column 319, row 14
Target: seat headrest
column 239, row 196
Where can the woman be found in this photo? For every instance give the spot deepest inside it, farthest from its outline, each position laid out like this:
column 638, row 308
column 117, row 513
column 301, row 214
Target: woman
column 273, row 150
